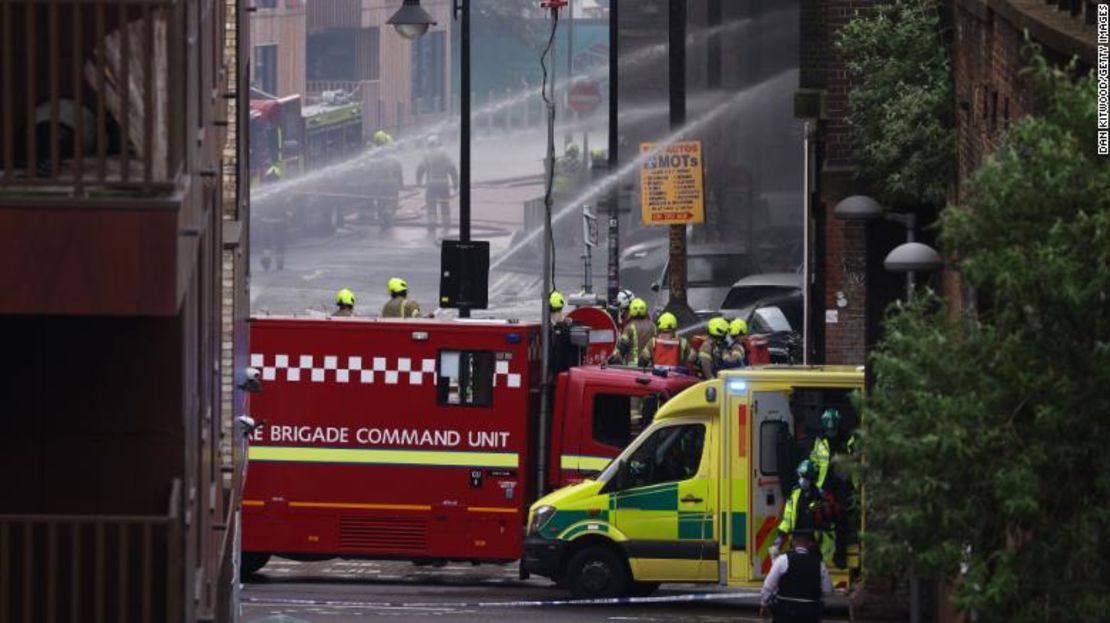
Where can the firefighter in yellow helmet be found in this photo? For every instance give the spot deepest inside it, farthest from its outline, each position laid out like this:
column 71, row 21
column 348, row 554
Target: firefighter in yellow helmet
column 666, row 348
column 557, row 302
column 735, row 356
column 399, row 305
column 385, row 178
column 714, row 353
column 638, row 331
column 344, row 303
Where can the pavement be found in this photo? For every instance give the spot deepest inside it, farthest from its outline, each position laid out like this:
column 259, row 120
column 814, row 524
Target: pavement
column 338, row 591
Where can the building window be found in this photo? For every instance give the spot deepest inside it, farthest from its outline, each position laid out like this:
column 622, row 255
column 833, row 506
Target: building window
column 465, row 378
column 429, row 73
column 267, row 4
column 266, row 68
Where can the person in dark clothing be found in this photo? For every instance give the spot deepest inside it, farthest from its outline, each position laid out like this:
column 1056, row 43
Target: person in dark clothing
column 793, row 590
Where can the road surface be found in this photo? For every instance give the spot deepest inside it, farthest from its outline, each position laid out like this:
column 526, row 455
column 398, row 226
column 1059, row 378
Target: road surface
column 341, row 591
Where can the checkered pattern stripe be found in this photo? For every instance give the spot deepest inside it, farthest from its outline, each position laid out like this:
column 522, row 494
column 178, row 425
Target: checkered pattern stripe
column 358, row 369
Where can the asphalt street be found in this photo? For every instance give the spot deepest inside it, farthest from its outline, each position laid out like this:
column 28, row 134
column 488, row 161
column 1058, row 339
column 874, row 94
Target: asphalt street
column 339, row 591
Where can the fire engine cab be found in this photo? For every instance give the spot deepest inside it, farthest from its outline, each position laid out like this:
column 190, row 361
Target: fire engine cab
column 419, row 439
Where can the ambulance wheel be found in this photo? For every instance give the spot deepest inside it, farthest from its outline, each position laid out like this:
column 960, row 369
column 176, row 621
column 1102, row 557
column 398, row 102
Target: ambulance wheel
column 644, row 589
column 597, row 572
column 252, row 563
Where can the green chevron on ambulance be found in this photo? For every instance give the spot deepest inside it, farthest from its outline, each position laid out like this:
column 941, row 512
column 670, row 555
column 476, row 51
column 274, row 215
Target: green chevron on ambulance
column 697, row 497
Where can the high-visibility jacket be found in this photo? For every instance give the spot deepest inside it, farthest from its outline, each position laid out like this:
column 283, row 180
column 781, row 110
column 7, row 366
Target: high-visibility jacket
column 666, row 349
column 822, row 456
column 637, row 333
column 400, row 307
column 807, row 517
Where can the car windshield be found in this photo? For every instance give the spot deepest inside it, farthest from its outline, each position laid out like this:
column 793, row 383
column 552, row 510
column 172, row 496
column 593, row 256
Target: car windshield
column 769, row 320
column 747, row 296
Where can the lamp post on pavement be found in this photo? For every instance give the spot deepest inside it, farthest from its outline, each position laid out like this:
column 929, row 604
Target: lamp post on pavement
column 411, row 21
column 911, row 256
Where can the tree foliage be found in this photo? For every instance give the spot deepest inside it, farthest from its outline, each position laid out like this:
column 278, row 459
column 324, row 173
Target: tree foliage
column 986, row 433
column 900, row 105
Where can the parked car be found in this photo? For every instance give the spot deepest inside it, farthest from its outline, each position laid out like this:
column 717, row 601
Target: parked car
column 747, row 293
column 773, row 308
column 709, row 270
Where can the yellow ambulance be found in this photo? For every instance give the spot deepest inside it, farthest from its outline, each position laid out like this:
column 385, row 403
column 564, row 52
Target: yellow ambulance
column 698, row 496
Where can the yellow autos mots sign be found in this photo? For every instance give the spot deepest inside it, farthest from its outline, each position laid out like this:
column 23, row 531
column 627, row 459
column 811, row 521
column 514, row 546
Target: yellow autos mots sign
column 671, row 184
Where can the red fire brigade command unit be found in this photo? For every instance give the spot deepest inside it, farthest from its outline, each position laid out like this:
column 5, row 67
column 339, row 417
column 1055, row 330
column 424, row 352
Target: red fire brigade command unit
column 419, row 439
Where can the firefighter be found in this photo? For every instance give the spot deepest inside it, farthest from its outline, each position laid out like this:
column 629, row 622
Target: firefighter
column 797, row 581
column 568, row 169
column 399, row 305
column 273, row 221
column 442, row 177
column 557, row 302
column 828, row 450
column 624, row 299
column 736, row 357
column 344, row 303
column 564, row 354
column 386, row 177
column 714, row 354
column 637, row 332
column 666, row 348
column 805, row 509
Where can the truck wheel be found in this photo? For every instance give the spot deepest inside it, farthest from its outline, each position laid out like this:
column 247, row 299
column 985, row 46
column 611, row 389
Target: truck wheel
column 252, row 563
column 644, row 589
column 597, row 572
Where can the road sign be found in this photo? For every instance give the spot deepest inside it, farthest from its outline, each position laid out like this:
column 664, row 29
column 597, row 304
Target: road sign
column 603, row 333
column 584, row 96
column 671, row 184
column 589, row 227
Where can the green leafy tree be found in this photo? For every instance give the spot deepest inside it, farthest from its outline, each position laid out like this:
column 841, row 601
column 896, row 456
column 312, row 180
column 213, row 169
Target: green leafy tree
column 900, row 105
column 987, row 431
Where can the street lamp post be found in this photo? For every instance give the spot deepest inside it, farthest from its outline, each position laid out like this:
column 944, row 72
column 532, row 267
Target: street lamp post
column 411, row 21
column 909, row 257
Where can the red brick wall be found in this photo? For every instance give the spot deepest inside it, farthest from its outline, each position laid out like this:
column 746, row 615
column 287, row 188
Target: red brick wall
column 843, row 268
column 845, row 289
column 989, row 92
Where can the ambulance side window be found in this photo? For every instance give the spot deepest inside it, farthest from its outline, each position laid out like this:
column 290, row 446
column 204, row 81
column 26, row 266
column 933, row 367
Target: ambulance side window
column 671, row 454
column 465, row 378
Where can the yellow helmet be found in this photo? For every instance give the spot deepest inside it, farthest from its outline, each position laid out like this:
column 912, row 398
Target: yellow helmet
column 738, row 327
column 382, row 138
column 557, row 301
column 718, row 327
column 345, row 297
column 397, row 286
column 667, row 322
column 637, row 308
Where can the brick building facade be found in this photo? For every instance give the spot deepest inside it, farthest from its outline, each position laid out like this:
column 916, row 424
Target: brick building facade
column 989, row 53
column 850, row 290
column 121, row 494
column 838, row 249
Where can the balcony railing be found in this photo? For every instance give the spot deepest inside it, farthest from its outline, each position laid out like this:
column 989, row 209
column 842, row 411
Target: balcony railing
column 91, row 568
column 94, row 94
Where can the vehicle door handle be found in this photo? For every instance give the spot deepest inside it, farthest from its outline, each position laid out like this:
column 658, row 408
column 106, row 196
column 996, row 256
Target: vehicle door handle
column 689, row 499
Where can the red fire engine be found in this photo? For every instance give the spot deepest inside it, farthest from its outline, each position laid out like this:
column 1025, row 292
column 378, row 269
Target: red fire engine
column 418, row 439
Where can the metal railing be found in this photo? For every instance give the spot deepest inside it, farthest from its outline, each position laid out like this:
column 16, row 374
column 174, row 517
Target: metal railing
column 95, row 94
column 91, row 567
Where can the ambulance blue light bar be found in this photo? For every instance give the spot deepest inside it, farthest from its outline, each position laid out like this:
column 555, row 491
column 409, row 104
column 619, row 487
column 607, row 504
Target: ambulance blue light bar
column 737, row 387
